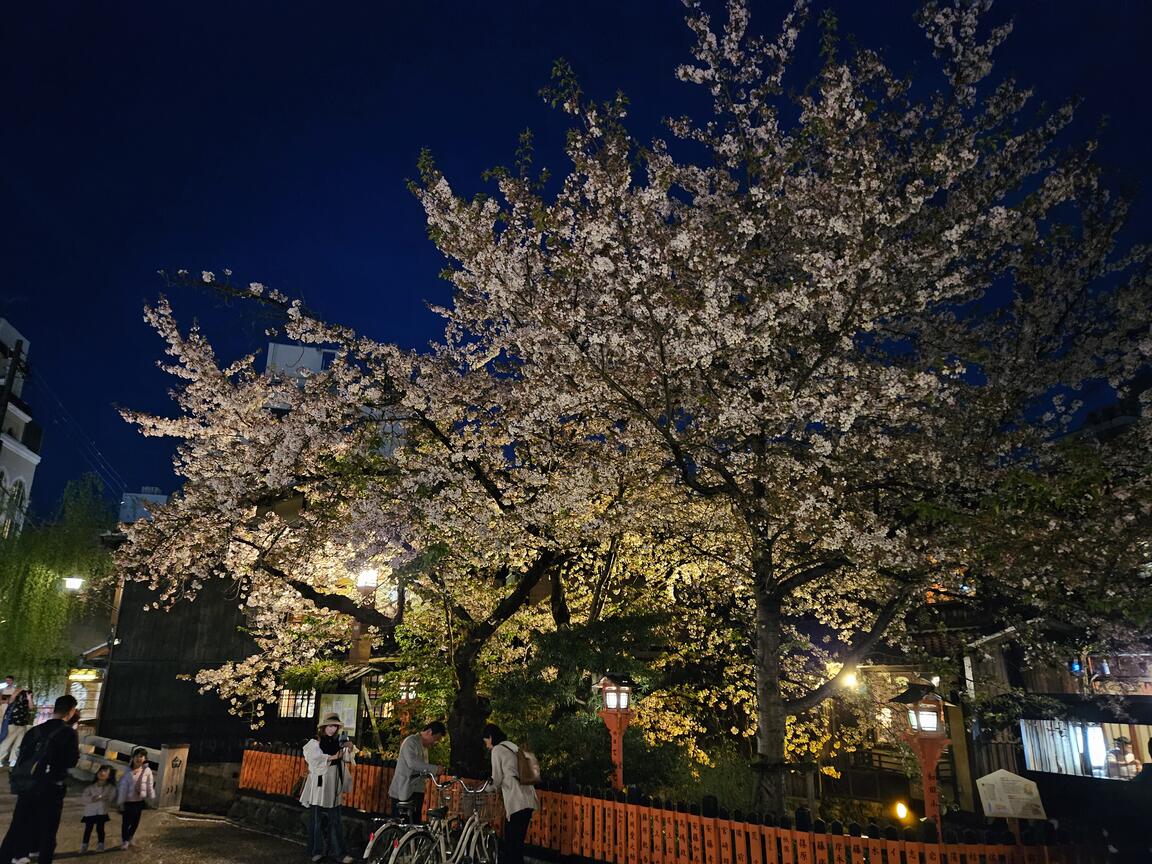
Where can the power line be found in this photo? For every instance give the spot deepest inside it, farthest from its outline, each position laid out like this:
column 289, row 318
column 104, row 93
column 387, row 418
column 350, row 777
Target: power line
column 88, row 449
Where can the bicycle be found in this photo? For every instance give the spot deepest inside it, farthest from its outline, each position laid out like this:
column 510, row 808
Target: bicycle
column 386, row 833
column 471, row 841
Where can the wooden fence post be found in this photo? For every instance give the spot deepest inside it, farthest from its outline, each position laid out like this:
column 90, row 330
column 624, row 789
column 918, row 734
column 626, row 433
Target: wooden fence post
column 802, row 836
column 613, row 830
column 787, row 839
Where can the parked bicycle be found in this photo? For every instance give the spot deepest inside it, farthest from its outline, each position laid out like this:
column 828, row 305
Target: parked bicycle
column 458, row 840
column 387, row 832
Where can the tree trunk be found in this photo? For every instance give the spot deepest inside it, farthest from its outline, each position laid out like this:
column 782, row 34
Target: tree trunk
column 470, row 710
column 770, row 715
column 466, row 719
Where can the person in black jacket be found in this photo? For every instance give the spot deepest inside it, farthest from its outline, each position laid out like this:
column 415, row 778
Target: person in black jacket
column 19, row 716
column 36, row 817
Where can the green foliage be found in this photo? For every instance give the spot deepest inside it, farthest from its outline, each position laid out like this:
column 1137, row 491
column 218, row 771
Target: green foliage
column 321, row 676
column 1004, row 710
column 730, row 779
column 35, row 611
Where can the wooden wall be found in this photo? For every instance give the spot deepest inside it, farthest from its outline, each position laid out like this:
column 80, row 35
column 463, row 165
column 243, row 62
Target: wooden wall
column 145, row 699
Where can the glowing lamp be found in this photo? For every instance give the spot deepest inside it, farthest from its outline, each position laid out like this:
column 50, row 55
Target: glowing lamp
column 73, row 583
column 926, row 716
column 408, row 690
column 366, row 580
column 927, row 735
column 617, row 695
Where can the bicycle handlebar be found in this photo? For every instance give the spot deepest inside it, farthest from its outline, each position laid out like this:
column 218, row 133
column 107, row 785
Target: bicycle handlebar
column 476, row 791
column 435, row 782
column 460, row 780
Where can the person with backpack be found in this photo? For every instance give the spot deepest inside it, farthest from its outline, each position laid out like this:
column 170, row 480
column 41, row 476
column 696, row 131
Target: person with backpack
column 510, row 766
column 37, row 781
column 19, row 722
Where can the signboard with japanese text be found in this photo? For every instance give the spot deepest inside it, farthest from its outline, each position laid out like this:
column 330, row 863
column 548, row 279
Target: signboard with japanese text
column 1003, row 793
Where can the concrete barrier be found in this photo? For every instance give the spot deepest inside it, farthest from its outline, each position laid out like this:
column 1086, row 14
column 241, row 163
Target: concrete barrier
column 168, row 764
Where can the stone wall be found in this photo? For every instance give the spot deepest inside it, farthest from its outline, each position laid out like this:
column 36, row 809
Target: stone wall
column 210, row 787
column 286, row 818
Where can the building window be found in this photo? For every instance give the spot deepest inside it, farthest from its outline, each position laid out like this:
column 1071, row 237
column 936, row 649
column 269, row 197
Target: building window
column 12, row 512
column 297, row 703
column 1110, row 751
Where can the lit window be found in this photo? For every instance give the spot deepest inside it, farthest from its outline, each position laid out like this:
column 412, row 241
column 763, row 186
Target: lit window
column 297, row 703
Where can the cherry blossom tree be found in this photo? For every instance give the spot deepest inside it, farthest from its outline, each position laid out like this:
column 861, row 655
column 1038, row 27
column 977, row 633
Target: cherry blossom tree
column 844, row 313
column 410, row 464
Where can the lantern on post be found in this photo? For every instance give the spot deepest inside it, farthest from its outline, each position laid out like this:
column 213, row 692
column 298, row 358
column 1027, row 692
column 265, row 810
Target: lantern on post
column 616, row 694
column 407, row 701
column 924, row 730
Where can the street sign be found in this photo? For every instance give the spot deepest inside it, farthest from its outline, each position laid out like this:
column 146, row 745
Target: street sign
column 1003, row 793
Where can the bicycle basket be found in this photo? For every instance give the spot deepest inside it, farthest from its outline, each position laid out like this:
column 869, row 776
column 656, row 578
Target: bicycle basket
column 463, row 804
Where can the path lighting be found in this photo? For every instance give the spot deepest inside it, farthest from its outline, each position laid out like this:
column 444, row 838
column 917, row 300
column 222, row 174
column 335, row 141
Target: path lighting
column 927, row 735
column 367, row 580
column 849, row 680
column 616, row 693
column 73, row 583
column 926, row 715
column 901, row 811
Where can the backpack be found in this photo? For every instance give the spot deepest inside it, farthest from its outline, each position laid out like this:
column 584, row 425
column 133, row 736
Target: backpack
column 27, row 774
column 527, row 766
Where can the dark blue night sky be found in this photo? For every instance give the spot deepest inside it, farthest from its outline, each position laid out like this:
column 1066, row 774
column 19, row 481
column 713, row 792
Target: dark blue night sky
column 276, row 138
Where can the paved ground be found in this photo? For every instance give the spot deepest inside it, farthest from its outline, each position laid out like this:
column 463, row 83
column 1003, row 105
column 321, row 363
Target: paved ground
column 165, row 838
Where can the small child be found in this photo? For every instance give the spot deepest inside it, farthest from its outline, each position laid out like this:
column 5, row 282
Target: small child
column 96, row 799
column 136, row 787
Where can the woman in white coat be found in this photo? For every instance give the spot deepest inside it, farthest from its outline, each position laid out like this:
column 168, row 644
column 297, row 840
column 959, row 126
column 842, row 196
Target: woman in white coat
column 519, row 798
column 329, row 777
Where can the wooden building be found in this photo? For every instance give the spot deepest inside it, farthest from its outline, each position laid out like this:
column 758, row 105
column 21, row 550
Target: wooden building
column 149, row 694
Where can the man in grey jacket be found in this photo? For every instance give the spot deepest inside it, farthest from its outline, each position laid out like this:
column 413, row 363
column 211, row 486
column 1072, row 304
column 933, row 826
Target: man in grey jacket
column 411, row 764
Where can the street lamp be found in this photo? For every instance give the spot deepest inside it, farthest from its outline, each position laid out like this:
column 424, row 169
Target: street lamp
column 616, row 692
column 93, row 681
column 366, row 582
column 927, row 735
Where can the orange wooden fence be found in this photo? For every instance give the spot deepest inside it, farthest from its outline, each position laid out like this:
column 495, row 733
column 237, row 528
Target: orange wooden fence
column 616, row 832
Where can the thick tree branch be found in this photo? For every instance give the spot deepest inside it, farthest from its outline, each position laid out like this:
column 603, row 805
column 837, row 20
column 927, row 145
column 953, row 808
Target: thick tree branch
column 860, row 649
column 561, row 613
column 369, row 615
column 809, row 574
column 597, row 605
column 513, row 601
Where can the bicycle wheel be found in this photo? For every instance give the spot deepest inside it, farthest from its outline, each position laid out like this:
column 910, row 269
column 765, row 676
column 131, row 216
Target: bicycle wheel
column 454, row 835
column 386, row 838
column 488, row 847
column 418, row 847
